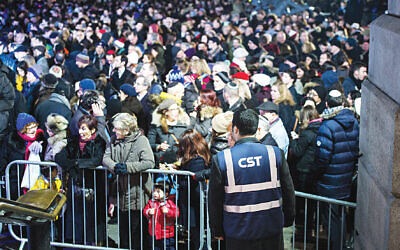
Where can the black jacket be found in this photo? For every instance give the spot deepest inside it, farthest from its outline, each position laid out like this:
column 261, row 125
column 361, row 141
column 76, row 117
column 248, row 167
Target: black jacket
column 7, row 94
column 303, row 150
column 127, row 77
column 72, row 160
column 269, row 140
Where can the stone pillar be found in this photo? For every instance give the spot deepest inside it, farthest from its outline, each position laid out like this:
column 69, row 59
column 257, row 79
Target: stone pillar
column 378, row 202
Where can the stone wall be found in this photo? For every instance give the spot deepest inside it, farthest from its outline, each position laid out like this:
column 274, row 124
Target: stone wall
column 378, row 202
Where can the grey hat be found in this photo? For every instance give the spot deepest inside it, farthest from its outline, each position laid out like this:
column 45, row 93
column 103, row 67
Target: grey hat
column 166, row 104
column 269, row 106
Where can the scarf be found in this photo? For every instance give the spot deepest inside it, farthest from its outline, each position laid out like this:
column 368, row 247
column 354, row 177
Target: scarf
column 82, row 143
column 29, row 141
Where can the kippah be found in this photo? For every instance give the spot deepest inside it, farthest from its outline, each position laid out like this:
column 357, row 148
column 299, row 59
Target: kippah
column 335, row 93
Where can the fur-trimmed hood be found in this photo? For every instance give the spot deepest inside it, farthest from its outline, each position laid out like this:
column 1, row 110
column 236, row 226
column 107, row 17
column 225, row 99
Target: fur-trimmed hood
column 183, row 118
column 208, row 112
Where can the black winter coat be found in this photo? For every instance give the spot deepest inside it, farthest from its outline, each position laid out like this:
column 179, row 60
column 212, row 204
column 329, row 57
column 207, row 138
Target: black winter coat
column 77, row 163
column 286, row 113
column 303, row 150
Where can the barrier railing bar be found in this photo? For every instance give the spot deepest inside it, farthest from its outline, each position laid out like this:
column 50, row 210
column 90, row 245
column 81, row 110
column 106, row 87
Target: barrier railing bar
column 325, row 199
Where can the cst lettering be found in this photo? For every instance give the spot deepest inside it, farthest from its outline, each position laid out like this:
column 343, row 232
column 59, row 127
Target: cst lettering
column 249, row 162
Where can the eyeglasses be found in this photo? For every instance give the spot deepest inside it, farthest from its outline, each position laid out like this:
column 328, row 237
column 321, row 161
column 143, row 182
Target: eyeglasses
column 34, row 126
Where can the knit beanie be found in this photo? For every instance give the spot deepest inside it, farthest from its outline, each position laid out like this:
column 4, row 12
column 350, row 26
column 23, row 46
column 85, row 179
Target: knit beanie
column 128, row 89
column 83, row 58
column 36, row 70
column 224, row 76
column 24, row 119
column 86, row 84
column 241, row 76
column 176, row 75
column 221, row 122
column 56, row 123
column 49, row 81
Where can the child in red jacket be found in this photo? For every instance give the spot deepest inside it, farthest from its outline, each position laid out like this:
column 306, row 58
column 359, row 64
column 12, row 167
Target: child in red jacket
column 162, row 213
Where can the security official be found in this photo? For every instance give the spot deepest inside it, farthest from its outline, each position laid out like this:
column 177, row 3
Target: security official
column 251, row 194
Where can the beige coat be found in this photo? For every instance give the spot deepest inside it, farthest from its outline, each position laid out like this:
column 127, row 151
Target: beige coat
column 136, row 153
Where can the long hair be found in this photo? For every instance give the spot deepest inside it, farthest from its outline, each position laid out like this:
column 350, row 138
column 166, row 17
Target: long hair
column 191, row 145
column 285, row 95
column 307, row 114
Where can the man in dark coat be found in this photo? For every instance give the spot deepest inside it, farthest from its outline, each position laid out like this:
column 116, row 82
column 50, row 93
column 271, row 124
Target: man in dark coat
column 121, row 75
column 357, row 74
column 7, row 96
column 335, row 157
column 87, row 70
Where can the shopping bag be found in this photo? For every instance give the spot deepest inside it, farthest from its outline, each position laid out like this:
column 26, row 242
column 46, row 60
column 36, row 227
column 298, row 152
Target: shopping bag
column 32, row 172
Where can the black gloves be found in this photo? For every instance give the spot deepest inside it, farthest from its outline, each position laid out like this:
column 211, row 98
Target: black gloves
column 120, row 169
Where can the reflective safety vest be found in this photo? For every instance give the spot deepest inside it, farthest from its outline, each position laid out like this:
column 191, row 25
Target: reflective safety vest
column 252, row 200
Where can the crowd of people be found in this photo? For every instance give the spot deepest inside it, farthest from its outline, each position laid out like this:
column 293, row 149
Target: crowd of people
column 135, row 85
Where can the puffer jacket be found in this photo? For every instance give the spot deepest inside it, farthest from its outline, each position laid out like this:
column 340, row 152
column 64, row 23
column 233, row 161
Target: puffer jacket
column 336, row 153
column 157, row 136
column 135, row 152
column 163, row 228
column 7, row 93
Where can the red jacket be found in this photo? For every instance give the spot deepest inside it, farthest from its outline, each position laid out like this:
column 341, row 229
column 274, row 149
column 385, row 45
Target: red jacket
column 162, row 230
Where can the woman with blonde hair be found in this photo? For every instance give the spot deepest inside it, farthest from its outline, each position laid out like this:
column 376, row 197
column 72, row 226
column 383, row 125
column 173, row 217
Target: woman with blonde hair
column 281, row 96
column 201, row 74
column 128, row 154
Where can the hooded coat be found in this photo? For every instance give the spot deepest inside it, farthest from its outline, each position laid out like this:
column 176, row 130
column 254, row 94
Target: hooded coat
column 336, row 154
column 135, row 152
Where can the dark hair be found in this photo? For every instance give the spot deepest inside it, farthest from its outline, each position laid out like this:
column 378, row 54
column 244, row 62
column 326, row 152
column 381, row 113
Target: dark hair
column 88, row 98
column 292, row 74
column 356, row 66
column 209, row 97
column 354, row 94
column 334, row 101
column 328, row 65
column 246, row 121
column 89, row 120
column 192, row 144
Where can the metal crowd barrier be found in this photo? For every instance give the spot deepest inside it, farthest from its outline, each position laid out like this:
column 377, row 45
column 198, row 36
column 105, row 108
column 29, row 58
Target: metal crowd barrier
column 88, row 203
column 95, row 195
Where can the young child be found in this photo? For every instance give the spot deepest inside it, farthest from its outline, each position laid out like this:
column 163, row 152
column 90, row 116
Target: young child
column 162, row 213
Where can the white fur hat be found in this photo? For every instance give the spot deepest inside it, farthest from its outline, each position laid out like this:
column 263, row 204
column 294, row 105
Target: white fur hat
column 56, row 123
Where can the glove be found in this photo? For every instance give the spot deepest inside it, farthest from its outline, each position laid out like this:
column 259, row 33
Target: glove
column 35, row 147
column 120, row 169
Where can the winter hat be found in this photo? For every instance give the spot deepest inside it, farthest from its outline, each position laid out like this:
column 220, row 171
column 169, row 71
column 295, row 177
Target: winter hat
column 36, row 70
column 241, row 76
column 56, row 71
column 63, row 88
column 119, row 43
column 224, row 76
column 49, row 81
column 83, row 58
column 24, row 119
column 110, row 52
column 175, row 75
column 329, row 78
column 221, row 122
column 21, row 48
column 321, row 91
column 254, row 40
column 128, row 89
column 86, row 84
column 190, row 52
column 240, row 52
column 262, row 79
column 166, row 104
column 269, row 106
column 163, row 185
column 56, row 123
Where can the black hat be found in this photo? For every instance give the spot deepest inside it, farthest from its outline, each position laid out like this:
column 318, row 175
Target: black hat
column 49, row 81
column 224, row 76
column 269, row 106
column 214, row 39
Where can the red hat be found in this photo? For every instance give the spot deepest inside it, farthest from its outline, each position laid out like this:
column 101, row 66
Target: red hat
column 102, row 31
column 110, row 52
column 241, row 76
